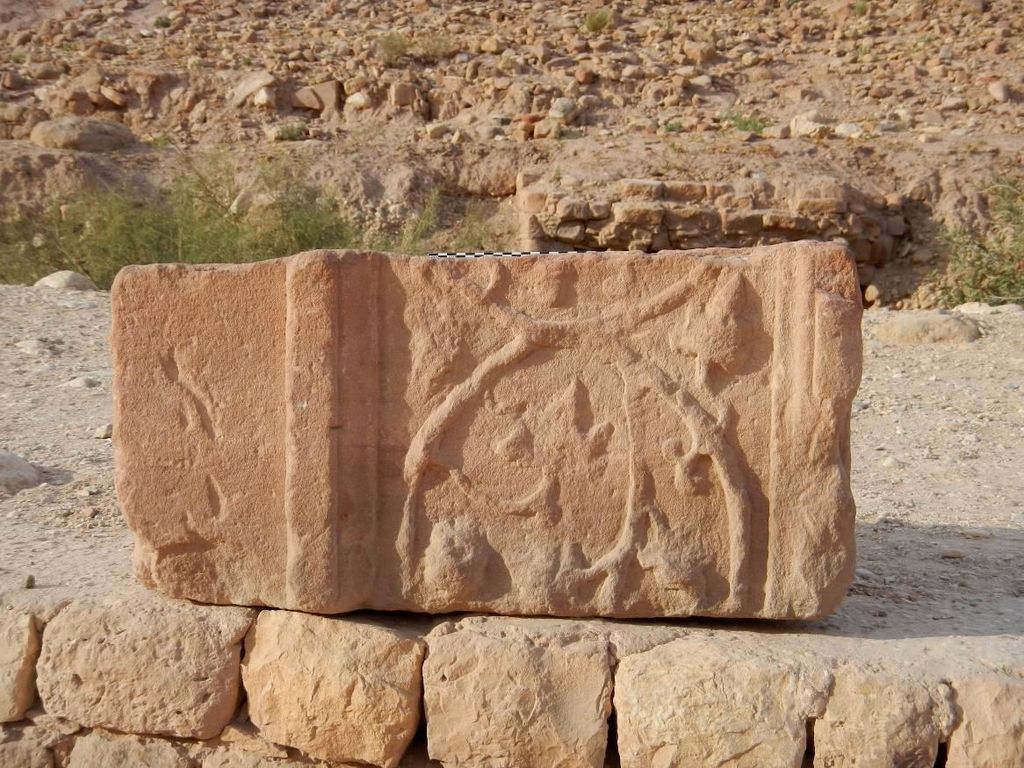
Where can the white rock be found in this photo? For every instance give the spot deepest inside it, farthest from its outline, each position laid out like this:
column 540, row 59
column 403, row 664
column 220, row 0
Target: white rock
column 265, row 97
column 999, row 91
column 849, row 130
column 809, row 125
column 981, row 308
column 16, row 474
column 66, row 280
column 249, row 85
column 359, row 100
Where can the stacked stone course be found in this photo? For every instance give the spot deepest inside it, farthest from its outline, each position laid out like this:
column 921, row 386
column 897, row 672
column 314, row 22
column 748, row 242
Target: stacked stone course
column 659, row 214
column 149, row 681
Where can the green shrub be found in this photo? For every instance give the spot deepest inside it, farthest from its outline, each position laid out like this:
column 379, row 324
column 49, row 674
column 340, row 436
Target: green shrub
column 392, row 48
column 420, row 227
column 597, row 20
column 162, row 22
column 295, row 131
column 989, row 267
column 752, row 123
column 432, row 49
column 98, row 232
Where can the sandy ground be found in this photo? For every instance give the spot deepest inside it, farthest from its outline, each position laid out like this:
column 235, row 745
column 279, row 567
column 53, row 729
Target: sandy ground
column 938, row 435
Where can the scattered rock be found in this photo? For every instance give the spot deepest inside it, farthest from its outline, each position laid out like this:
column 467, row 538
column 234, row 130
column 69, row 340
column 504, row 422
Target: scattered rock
column 928, row 327
column 809, row 125
column 85, row 134
column 66, row 280
column 16, row 474
column 249, row 85
column 144, row 665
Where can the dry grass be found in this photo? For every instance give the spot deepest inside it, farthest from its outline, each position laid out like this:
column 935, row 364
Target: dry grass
column 988, row 267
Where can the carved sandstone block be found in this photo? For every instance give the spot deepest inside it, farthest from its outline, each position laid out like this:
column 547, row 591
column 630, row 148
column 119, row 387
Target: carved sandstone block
column 612, row 434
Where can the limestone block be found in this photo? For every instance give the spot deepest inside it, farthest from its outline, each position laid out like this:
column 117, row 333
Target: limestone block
column 613, row 434
column 99, row 748
column 19, row 647
column 144, row 665
column 991, row 729
column 43, row 742
column 881, row 715
column 337, row 689
column 714, row 701
column 639, row 213
column 507, row 694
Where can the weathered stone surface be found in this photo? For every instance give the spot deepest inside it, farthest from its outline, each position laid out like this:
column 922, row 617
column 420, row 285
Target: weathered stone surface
column 929, row 328
column 16, row 473
column 516, row 693
column 42, row 742
column 19, row 647
column 591, row 434
column 694, row 702
column 990, row 733
column 880, row 715
column 144, row 665
column 87, row 134
column 99, row 748
column 66, row 280
column 337, row 689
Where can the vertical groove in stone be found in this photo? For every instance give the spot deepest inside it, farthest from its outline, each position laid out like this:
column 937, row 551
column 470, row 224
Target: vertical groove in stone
column 311, row 404
column 792, row 331
column 356, row 424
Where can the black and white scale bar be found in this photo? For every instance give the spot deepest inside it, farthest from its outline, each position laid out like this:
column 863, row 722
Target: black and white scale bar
column 505, row 254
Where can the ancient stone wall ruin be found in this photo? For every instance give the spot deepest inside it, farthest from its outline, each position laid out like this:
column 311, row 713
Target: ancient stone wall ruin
column 657, row 214
column 144, row 680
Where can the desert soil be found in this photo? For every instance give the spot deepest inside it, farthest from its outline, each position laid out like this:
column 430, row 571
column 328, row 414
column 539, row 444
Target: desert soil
column 938, row 447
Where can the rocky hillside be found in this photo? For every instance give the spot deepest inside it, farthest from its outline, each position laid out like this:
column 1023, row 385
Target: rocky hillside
column 904, row 111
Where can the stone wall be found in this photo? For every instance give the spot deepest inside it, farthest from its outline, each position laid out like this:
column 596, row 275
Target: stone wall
column 660, row 214
column 142, row 680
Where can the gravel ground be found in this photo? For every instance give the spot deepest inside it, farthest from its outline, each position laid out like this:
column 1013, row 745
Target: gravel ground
column 938, row 435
